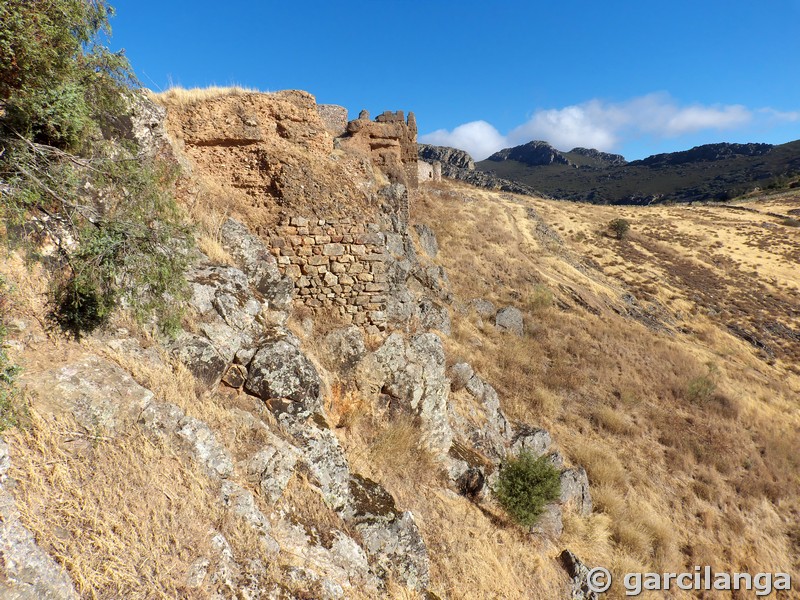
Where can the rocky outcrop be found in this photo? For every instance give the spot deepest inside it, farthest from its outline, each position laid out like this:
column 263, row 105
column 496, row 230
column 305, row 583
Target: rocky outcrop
column 535, row 153
column 457, row 164
column 509, row 319
column 579, row 577
column 334, row 117
column 96, row 392
column 413, row 372
column 451, row 159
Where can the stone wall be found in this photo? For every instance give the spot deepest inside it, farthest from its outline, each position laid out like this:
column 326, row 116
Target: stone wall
column 336, row 264
column 391, row 142
column 427, row 172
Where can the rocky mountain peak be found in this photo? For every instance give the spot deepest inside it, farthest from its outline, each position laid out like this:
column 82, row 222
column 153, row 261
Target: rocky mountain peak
column 535, row 153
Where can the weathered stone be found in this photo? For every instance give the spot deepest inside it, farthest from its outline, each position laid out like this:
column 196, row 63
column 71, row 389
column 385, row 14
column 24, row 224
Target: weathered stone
column 242, row 504
column 280, row 370
column 27, row 572
column 579, row 575
column 460, row 374
column 415, row 373
column 433, row 316
column 199, row 356
column 484, row 308
column 98, row 393
column 575, row 490
column 427, row 240
column 532, row 440
column 344, row 348
column 235, row 376
column 550, row 522
column 272, row 466
column 201, row 442
column 509, row 319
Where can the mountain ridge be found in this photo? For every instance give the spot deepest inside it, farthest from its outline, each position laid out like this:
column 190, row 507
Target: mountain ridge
column 717, row 171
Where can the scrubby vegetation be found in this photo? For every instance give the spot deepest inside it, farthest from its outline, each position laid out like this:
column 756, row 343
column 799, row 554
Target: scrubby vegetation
column 9, row 408
column 619, row 228
column 525, row 485
column 72, row 185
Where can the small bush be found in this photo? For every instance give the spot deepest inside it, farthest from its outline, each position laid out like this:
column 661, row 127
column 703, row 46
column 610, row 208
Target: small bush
column 525, row 485
column 619, row 228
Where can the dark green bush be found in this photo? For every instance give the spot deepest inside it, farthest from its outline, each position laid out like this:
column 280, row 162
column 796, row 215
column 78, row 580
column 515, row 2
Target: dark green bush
column 525, row 486
column 619, row 228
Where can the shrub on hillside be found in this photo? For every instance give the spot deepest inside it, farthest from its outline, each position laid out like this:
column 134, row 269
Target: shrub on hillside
column 619, row 228
column 68, row 180
column 9, row 393
column 525, row 486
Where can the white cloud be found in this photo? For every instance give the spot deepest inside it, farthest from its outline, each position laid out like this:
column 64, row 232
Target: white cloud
column 604, row 125
column 478, row 138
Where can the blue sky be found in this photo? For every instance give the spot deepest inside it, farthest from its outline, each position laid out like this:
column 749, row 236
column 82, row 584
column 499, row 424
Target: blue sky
column 637, row 78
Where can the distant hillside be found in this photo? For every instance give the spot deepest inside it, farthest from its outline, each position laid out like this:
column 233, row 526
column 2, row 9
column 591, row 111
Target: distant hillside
column 709, row 172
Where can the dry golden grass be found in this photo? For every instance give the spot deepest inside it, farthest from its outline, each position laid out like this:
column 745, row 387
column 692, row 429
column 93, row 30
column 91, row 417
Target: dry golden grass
column 183, row 97
column 96, row 522
column 686, row 462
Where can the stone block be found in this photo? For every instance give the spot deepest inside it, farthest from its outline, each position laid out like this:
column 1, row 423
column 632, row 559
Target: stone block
column 333, row 249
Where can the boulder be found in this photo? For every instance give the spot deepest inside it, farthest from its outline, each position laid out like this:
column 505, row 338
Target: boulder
column 272, row 467
column 575, row 490
column 509, row 319
column 483, row 308
column 344, row 348
column 532, row 440
column 27, row 572
column 200, row 356
column 261, row 268
column 579, row 577
column 414, row 372
column 280, row 371
column 98, row 393
column 201, row 443
column 434, row 316
column 427, row 240
column 460, row 374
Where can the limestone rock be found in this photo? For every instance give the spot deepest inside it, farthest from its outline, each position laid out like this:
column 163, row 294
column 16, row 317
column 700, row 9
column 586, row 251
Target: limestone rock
column 272, row 466
column 550, row 522
column 575, row 490
column 98, row 393
column 427, row 240
column 242, row 504
column 199, row 356
column 484, row 308
column 258, row 264
column 579, row 575
column 344, row 348
column 451, row 158
column 460, row 374
column 414, row 372
column 532, row 440
column 201, row 442
column 280, row 371
column 509, row 319
column 434, row 316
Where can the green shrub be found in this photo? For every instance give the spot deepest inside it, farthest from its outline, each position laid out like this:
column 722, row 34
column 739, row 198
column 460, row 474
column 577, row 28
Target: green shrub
column 525, row 486
column 700, row 389
column 109, row 212
column 619, row 228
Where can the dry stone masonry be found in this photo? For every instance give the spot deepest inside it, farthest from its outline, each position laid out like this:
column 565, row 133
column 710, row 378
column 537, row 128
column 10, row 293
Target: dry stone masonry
column 335, row 264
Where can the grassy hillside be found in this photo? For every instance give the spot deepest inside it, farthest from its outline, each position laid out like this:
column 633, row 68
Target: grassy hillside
column 666, row 363
column 659, row 178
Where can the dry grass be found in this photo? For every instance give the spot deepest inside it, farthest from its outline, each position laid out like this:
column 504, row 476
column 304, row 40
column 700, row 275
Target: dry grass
column 687, row 462
column 94, row 521
column 183, row 97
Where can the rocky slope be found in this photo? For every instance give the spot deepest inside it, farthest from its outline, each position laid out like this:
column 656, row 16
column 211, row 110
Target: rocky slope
column 256, row 396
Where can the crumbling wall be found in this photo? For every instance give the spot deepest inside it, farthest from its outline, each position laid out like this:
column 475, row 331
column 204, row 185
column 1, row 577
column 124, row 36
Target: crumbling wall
column 429, row 172
column 391, row 141
column 335, row 264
